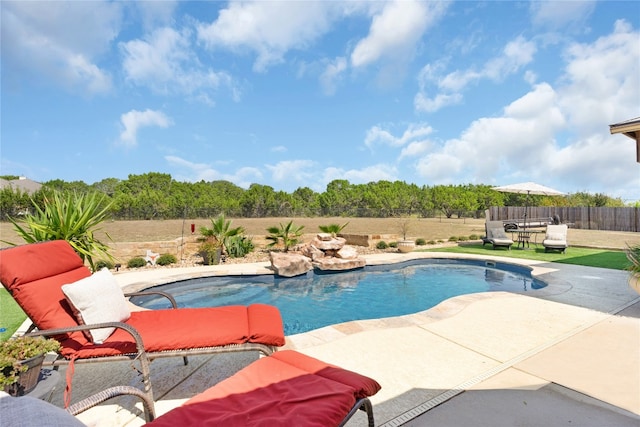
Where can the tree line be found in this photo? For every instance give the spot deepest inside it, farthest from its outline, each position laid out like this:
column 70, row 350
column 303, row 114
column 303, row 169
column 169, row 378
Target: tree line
column 157, row 195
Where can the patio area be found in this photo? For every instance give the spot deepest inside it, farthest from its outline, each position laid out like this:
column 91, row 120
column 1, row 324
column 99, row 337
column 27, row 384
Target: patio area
column 571, row 355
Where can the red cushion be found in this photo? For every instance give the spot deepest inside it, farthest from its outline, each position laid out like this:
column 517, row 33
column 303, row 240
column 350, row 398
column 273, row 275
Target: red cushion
column 363, row 386
column 265, row 325
column 34, row 274
column 269, row 392
column 182, row 328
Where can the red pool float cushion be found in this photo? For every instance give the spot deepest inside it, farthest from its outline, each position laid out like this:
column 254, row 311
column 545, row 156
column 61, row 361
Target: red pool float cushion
column 284, row 389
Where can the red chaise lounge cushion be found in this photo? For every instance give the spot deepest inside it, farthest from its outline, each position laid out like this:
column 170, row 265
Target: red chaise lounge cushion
column 285, row 389
column 34, row 275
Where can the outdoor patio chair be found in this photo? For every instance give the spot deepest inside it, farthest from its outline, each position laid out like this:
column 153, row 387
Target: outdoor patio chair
column 556, row 238
column 496, row 235
column 90, row 316
column 285, row 389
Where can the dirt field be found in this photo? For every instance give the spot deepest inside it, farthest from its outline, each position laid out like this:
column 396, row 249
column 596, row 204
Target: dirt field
column 388, row 229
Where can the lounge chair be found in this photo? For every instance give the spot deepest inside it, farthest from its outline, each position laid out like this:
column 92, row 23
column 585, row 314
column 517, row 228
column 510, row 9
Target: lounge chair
column 556, row 238
column 38, row 275
column 496, row 235
column 285, row 389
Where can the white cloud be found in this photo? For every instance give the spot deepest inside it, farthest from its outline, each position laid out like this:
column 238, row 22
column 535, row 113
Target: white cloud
column 602, row 80
column 415, row 149
column 559, row 15
column 293, row 172
column 270, row 29
column 165, row 62
column 279, row 149
column 515, row 55
column 361, row 176
column 134, row 120
column 396, row 30
column 557, row 135
column 59, row 42
column 332, row 74
column 414, row 133
column 194, row 172
column 158, row 12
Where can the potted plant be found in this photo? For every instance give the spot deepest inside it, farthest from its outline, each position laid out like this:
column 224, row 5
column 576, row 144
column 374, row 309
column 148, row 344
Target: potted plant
column 633, row 254
column 20, row 361
column 210, row 250
column 220, row 231
column 405, row 245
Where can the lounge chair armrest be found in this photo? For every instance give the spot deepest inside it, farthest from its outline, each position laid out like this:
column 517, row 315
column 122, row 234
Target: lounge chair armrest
column 130, row 329
column 110, row 393
column 170, row 297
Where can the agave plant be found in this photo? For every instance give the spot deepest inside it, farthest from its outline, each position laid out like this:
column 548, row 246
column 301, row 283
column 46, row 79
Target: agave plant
column 72, row 217
column 289, row 234
column 333, row 229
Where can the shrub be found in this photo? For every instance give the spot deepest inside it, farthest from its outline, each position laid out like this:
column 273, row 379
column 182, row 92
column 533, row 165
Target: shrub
column 432, row 242
column 393, row 244
column 104, row 263
column 463, row 238
column 421, row 242
column 382, row 245
column 474, row 237
column 239, row 246
column 332, row 229
column 136, row 262
column 220, row 232
column 68, row 216
column 453, row 238
column 289, row 234
column 166, row 259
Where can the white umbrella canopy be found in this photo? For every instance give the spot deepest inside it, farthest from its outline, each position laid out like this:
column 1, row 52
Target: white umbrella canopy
column 528, row 188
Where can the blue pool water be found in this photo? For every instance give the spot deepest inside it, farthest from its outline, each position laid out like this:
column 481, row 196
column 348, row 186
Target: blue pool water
column 320, row 299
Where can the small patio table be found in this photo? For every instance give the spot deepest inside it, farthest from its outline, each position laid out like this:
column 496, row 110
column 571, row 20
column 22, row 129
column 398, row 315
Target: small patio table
column 524, row 236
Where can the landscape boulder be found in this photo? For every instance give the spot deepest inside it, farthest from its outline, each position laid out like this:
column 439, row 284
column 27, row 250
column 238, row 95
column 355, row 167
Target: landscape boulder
column 338, row 264
column 289, row 264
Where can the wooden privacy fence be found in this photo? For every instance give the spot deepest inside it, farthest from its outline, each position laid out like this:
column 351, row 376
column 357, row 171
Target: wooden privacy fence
column 586, row 218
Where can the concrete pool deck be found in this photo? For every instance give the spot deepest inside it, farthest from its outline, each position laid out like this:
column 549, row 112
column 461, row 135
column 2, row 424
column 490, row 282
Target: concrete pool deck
column 569, row 356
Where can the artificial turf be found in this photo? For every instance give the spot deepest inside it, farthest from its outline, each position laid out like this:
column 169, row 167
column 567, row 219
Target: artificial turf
column 589, row 257
column 11, row 315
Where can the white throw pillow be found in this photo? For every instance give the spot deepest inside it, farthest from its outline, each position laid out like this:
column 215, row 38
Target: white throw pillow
column 97, row 299
column 555, row 236
column 497, row 233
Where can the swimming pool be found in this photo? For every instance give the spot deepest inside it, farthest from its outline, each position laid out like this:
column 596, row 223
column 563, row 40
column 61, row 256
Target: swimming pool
column 320, row 299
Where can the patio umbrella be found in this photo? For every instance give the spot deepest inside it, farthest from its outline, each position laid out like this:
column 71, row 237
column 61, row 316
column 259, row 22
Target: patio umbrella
column 528, row 188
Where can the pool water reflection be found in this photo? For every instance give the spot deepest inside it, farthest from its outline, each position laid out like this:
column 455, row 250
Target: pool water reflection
column 320, row 299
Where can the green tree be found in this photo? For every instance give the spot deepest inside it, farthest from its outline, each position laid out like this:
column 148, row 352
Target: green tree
column 288, row 234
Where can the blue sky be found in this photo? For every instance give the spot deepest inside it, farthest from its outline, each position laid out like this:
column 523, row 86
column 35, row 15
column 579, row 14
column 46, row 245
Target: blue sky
column 299, row 93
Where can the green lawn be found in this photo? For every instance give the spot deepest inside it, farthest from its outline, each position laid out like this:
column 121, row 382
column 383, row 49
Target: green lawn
column 603, row 258
column 11, row 315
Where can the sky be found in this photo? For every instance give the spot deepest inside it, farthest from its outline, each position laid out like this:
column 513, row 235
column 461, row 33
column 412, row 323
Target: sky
column 295, row 94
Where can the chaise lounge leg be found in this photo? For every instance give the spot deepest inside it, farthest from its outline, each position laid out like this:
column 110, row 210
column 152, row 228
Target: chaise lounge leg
column 363, row 404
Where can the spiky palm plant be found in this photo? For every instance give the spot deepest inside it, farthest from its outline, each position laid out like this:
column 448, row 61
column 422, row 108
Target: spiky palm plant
column 333, row 229
column 68, row 216
column 220, row 231
column 289, row 234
